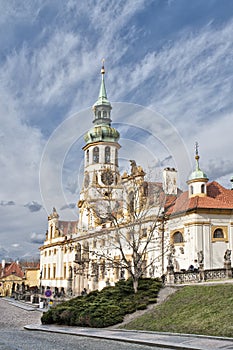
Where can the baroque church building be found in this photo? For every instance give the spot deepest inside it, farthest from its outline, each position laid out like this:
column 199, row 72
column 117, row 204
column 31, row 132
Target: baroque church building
column 130, row 227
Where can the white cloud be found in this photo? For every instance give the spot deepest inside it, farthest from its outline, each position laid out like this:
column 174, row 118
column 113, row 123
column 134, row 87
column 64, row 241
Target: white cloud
column 15, row 245
column 189, row 80
column 14, row 10
column 37, row 238
column 21, row 147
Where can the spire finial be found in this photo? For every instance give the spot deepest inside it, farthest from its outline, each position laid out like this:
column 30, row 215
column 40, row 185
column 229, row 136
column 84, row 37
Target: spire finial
column 197, row 155
column 196, row 148
column 103, row 69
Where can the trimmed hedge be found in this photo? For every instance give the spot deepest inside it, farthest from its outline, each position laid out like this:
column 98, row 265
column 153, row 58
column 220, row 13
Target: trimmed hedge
column 105, row 308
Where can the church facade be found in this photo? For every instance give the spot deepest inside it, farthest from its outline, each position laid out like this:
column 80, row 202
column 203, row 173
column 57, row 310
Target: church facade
column 129, row 226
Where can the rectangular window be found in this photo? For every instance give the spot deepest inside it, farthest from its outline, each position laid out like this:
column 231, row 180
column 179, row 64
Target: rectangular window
column 144, row 232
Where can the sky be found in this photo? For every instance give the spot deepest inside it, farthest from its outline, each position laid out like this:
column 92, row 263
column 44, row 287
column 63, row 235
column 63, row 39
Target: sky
column 169, row 77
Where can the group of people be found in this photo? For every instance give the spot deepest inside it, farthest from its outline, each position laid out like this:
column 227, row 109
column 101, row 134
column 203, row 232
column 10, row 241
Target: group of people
column 194, row 267
column 84, row 292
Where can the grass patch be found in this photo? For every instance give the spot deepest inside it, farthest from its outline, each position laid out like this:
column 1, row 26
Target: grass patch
column 199, row 309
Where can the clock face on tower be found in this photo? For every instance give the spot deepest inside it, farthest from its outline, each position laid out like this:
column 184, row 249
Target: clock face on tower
column 107, row 177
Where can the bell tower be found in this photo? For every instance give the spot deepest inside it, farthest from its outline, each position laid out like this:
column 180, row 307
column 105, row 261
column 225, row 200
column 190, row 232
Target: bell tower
column 101, row 172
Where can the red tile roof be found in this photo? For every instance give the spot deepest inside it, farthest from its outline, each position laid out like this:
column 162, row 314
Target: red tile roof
column 67, row 227
column 218, row 197
column 12, row 269
column 26, row 265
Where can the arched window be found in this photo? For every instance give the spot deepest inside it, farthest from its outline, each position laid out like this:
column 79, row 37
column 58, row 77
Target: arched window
column 178, row 237
column 145, row 189
column 191, row 189
column 202, row 188
column 218, row 233
column 87, row 156
column 116, row 157
column 99, row 114
column 96, row 155
column 104, row 114
column 107, row 154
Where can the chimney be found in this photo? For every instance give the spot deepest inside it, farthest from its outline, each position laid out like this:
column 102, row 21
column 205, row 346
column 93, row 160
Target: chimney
column 3, row 266
column 170, row 181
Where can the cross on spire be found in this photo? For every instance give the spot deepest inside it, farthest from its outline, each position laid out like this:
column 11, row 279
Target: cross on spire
column 196, row 148
column 102, row 68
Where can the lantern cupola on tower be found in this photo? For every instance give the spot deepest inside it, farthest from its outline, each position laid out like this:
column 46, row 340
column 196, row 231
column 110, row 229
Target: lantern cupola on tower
column 102, row 130
column 198, row 179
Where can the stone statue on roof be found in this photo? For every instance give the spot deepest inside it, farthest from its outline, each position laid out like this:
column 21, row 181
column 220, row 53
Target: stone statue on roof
column 133, row 167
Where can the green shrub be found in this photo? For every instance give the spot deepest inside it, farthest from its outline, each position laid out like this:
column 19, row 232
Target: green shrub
column 47, row 317
column 92, row 294
column 152, row 300
column 128, row 307
column 104, row 308
column 141, row 307
column 67, row 316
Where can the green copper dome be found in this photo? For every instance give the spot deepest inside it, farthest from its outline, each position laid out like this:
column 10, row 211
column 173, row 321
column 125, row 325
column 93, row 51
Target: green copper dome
column 198, row 174
column 102, row 133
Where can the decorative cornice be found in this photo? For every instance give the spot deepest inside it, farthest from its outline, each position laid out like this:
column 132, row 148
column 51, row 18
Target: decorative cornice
column 197, row 223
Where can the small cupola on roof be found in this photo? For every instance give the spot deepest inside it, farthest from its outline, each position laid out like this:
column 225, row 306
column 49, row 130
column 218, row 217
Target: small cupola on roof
column 198, row 179
column 102, row 130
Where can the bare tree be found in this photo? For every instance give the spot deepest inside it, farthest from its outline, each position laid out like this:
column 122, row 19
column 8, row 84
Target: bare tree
column 132, row 226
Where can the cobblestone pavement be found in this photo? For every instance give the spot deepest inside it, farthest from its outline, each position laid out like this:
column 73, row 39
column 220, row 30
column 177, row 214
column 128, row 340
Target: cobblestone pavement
column 15, row 337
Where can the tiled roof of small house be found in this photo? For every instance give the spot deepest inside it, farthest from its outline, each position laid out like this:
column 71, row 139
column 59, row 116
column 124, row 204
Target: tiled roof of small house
column 218, row 197
column 12, row 268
